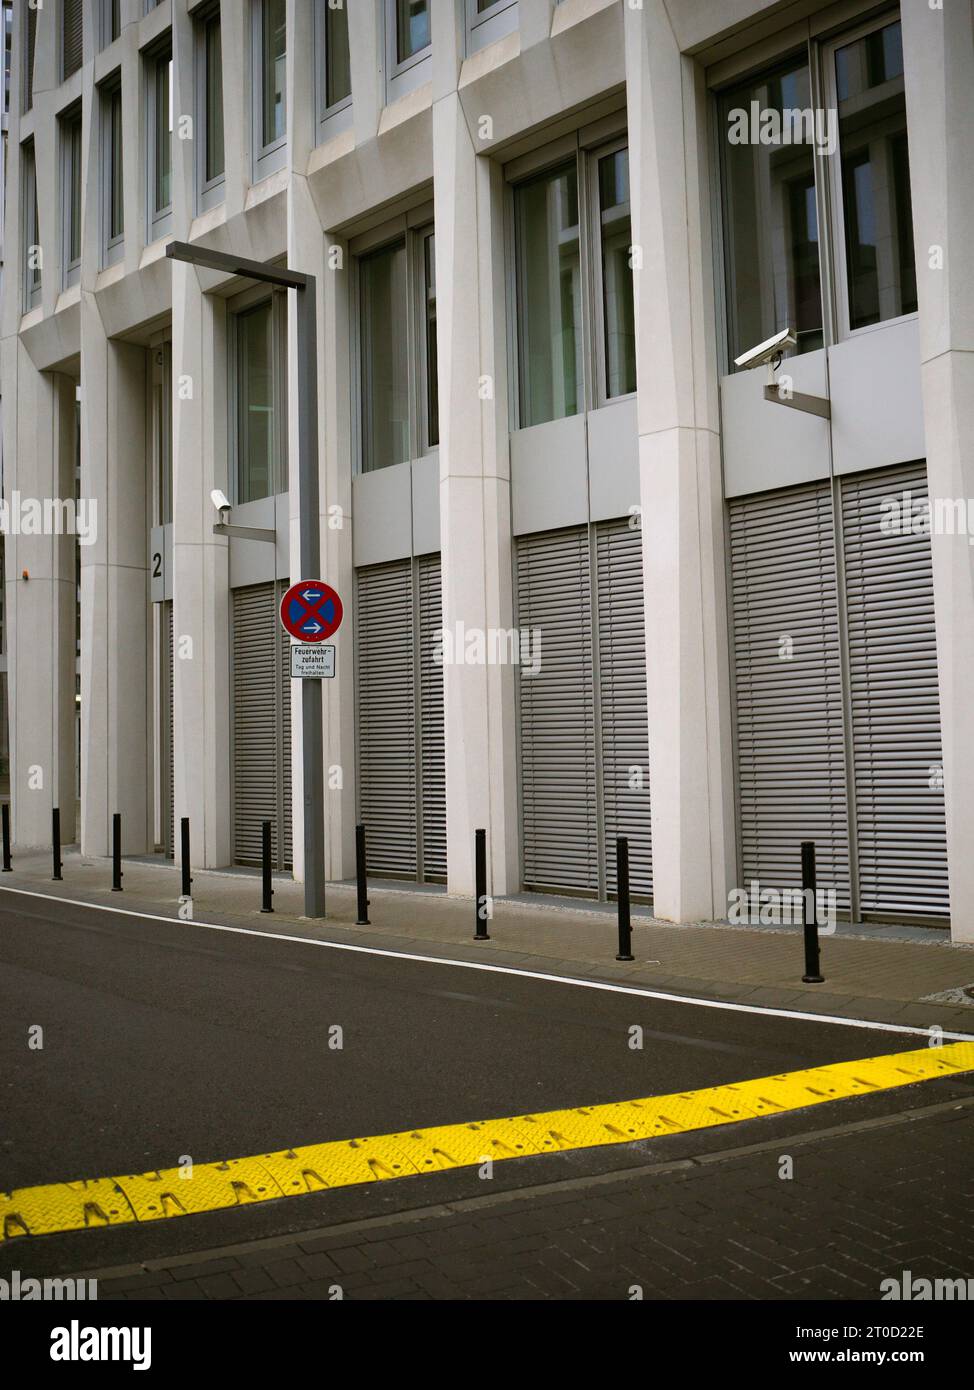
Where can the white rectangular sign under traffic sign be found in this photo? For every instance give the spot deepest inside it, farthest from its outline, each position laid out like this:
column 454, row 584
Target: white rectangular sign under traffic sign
column 312, row 662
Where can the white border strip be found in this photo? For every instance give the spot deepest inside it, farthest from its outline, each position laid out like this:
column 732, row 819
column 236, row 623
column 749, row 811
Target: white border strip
column 727, row 1005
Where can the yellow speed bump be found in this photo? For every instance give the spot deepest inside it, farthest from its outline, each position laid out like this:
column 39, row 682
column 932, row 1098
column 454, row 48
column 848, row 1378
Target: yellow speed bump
column 154, row 1196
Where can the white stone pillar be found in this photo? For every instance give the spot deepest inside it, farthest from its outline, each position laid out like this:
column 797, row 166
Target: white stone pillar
column 938, row 51
column 475, row 502
column 39, row 607
column 691, row 777
column 116, row 766
column 201, row 666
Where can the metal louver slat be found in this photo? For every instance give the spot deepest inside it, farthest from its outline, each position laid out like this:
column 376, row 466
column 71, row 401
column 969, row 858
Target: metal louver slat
column 432, row 744
column 557, row 716
column 71, row 37
column 622, row 702
column 256, row 731
column 897, row 757
column 787, row 674
column 385, row 681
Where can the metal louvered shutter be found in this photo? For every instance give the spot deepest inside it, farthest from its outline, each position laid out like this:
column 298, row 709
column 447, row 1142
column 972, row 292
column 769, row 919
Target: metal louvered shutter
column 256, row 722
column 71, row 37
column 385, row 680
column 557, row 715
column 623, row 717
column 286, row 810
column 897, row 758
column 790, row 744
column 432, row 758
column 169, row 744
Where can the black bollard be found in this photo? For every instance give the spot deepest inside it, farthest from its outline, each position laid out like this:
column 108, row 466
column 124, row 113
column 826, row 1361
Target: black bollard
column 116, row 853
column 480, row 877
column 5, row 814
column 622, row 892
column 56, row 838
column 184, row 855
column 361, row 881
column 813, row 974
column 267, row 886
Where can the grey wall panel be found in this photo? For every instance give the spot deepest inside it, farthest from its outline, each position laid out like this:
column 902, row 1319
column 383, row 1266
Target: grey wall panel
column 787, row 672
column 623, row 718
column 877, row 408
column 382, row 515
column 900, row 822
column 252, row 562
column 549, row 476
column 767, row 445
column 426, row 504
column 613, row 455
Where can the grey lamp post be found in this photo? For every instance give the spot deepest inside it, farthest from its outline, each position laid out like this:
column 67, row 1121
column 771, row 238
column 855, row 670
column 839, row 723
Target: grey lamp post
column 307, row 369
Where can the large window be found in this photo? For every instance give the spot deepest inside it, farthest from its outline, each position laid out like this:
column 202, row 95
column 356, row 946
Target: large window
column 398, row 376
column 576, row 341
column 270, row 113
column 70, row 134
column 408, row 46
column 259, row 356
column 334, row 68
column 880, row 269
column 113, row 205
column 111, row 21
column 489, row 20
column 815, row 148
column 33, row 256
column 209, row 88
column 159, row 124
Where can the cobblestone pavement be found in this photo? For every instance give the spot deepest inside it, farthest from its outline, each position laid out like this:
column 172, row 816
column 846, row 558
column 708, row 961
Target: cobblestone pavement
column 865, row 1201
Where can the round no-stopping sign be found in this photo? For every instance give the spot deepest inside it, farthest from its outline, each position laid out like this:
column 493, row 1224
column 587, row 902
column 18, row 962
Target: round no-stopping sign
column 311, row 611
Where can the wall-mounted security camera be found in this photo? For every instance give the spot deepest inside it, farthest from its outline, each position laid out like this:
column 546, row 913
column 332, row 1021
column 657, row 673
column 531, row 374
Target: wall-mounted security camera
column 767, row 351
column 219, row 500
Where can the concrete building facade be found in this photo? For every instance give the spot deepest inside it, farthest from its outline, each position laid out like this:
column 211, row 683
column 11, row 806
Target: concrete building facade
column 598, row 580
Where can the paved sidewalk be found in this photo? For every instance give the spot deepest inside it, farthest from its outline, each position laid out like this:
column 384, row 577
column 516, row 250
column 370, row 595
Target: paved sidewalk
column 884, row 974
column 864, row 1202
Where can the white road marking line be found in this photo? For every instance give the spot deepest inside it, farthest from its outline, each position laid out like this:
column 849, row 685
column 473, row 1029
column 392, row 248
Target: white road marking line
column 725, row 1004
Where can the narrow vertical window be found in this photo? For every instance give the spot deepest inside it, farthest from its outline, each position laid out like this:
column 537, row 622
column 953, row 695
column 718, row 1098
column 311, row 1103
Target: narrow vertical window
column 548, row 296
column 618, row 308
column 412, row 28
column 260, row 345
column 875, row 178
column 71, row 195
column 771, row 234
column 385, row 370
column 71, row 38
column 158, row 79
column 116, row 205
column 338, row 72
column 33, row 257
column 213, row 100
column 273, row 46
column 432, row 378
column 29, row 14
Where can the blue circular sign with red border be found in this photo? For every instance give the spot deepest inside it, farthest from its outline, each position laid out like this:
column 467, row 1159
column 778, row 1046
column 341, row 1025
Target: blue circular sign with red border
column 311, row 611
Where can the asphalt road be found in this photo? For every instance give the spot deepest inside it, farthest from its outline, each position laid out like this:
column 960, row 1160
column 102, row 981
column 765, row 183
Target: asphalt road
column 164, row 1040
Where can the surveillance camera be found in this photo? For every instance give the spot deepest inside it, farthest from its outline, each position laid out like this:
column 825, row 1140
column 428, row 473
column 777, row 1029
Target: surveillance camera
column 219, row 500
column 768, row 350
